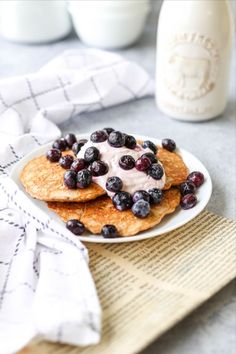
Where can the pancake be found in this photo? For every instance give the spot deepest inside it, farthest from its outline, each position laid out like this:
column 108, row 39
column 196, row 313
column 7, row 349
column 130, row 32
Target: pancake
column 98, row 212
column 175, row 168
column 43, row 180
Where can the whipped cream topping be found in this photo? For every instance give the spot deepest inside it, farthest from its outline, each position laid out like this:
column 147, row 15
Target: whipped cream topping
column 133, row 180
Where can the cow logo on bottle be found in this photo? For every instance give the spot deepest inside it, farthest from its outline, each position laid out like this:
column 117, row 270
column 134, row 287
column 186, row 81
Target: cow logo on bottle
column 192, row 66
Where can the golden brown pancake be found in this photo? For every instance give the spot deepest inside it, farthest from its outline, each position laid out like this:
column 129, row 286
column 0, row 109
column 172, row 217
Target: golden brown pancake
column 175, row 168
column 98, row 212
column 43, row 180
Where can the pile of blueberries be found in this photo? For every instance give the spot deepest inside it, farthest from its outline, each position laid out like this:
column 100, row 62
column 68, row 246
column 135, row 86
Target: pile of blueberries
column 81, row 170
column 187, row 189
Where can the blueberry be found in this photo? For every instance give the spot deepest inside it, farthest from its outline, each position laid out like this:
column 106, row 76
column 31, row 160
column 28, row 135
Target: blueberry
column 151, row 157
column 60, row 144
column 78, row 165
column 155, row 171
column 70, row 139
column 122, row 200
column 116, row 139
column 70, row 179
column 108, row 130
column 99, row 136
column 188, row 201
column 91, row 154
column 53, row 155
column 84, row 179
column 196, row 177
column 186, row 188
column 77, row 146
column 156, row 195
column 114, row 184
column 89, row 167
column 169, row 144
column 75, row 226
column 82, row 141
column 141, row 195
column 66, row 161
column 130, row 142
column 150, row 145
column 141, row 208
column 143, row 163
column 109, row 231
column 98, row 168
column 127, row 162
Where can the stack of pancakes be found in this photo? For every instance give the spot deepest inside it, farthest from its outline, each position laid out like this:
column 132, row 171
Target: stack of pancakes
column 43, row 180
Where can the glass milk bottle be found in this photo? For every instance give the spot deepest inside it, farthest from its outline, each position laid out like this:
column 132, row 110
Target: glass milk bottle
column 194, row 45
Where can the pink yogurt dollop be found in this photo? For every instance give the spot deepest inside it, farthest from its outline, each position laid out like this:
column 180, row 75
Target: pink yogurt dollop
column 133, row 180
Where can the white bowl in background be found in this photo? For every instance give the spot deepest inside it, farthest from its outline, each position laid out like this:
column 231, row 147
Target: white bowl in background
column 34, row 21
column 109, row 24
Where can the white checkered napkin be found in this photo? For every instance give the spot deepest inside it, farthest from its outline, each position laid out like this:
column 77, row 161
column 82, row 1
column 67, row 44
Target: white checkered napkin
column 75, row 82
column 46, row 288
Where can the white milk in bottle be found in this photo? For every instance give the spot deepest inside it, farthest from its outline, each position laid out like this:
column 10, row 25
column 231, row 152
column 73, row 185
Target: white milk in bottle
column 194, row 45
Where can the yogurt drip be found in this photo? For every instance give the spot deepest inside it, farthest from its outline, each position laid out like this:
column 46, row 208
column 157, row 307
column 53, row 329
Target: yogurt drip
column 133, row 180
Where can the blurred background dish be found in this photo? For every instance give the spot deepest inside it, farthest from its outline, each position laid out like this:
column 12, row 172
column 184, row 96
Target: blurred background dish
column 109, row 24
column 34, row 21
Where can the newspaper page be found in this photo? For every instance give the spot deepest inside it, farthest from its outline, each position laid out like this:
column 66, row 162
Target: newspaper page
column 146, row 287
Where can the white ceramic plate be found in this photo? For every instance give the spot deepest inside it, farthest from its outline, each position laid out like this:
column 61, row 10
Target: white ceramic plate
column 169, row 223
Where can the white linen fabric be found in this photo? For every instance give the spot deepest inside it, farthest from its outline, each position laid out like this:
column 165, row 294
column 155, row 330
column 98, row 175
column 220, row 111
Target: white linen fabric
column 46, row 288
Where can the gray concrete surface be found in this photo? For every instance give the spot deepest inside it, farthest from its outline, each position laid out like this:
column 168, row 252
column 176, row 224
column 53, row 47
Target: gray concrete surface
column 212, row 328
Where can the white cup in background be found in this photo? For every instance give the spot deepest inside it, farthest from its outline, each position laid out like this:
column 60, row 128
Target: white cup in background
column 34, row 21
column 109, row 24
